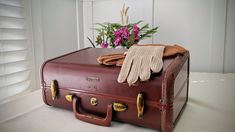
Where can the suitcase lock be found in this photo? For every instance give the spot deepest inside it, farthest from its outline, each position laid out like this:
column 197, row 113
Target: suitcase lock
column 54, row 89
column 94, row 101
column 140, row 105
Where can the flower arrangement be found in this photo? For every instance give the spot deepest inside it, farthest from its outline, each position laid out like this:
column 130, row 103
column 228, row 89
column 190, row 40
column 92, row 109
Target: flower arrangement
column 125, row 34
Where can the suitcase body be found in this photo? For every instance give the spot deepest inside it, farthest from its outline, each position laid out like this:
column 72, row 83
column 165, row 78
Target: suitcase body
column 77, row 82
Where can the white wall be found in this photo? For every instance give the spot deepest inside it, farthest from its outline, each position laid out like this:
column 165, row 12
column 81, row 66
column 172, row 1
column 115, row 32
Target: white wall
column 196, row 24
column 58, row 25
column 229, row 62
column 54, row 29
column 199, row 25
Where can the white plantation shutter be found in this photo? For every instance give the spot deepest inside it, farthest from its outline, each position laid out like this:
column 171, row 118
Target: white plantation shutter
column 14, row 48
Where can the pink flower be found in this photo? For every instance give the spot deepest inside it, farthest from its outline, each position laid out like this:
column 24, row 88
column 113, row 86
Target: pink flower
column 118, row 33
column 137, row 38
column 104, row 45
column 122, row 32
column 136, row 29
column 121, row 35
column 125, row 33
column 117, row 41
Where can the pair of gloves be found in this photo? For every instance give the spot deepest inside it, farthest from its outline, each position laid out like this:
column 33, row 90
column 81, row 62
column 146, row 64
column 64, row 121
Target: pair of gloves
column 140, row 60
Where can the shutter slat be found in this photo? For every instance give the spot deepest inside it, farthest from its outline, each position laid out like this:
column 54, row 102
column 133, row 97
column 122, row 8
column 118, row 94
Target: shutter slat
column 11, row 5
column 23, row 39
column 13, row 45
column 12, row 34
column 12, row 28
column 13, row 89
column 11, row 17
column 15, row 50
column 9, row 22
column 11, row 11
column 9, row 57
column 10, row 68
column 14, row 3
column 14, row 78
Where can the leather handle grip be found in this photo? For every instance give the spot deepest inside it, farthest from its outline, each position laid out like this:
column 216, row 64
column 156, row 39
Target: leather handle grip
column 93, row 119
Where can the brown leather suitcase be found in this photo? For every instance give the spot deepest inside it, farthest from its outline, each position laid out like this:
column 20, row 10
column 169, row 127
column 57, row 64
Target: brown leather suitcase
column 77, row 82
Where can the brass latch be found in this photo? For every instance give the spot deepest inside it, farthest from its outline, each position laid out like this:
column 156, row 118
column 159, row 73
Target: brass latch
column 119, row 107
column 140, row 105
column 54, row 89
column 69, row 97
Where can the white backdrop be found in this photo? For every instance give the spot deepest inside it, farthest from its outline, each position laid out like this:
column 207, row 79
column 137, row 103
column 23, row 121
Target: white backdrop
column 199, row 25
column 205, row 27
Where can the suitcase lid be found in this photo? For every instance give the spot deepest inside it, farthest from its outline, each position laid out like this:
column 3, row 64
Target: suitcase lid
column 86, row 56
column 80, row 71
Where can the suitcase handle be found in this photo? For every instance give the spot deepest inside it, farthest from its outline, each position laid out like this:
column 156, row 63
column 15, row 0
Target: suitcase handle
column 93, row 119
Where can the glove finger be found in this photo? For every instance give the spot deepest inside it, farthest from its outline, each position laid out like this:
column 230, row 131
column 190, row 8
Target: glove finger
column 145, row 71
column 127, row 64
column 112, row 60
column 156, row 61
column 101, row 58
column 134, row 73
column 125, row 69
column 180, row 49
column 156, row 64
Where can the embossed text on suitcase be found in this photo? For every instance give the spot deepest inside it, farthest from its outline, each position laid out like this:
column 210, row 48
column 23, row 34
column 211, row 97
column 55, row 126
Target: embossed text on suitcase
column 77, row 82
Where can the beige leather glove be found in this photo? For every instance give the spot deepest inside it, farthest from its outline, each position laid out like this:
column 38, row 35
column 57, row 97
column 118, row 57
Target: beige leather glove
column 139, row 62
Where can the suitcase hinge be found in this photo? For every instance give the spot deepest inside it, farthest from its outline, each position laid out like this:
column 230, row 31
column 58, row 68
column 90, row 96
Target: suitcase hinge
column 43, row 84
column 162, row 105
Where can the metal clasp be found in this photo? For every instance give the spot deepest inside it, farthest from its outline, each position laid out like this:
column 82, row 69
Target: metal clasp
column 54, row 89
column 119, row 107
column 94, row 101
column 69, row 97
column 140, row 105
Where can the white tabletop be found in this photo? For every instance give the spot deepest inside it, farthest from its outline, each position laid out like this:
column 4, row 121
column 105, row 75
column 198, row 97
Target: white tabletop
column 211, row 108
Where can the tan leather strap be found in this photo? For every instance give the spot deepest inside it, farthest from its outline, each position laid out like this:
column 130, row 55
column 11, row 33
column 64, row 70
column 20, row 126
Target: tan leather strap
column 93, row 118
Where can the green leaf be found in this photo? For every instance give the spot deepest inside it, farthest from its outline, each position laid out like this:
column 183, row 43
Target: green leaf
column 144, row 27
column 139, row 22
column 98, row 30
column 102, row 25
